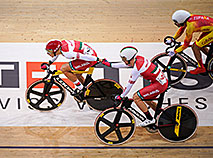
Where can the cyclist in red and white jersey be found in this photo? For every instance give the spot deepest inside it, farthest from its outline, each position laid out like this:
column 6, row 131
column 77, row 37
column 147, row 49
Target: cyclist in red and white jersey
column 82, row 57
column 142, row 67
column 193, row 23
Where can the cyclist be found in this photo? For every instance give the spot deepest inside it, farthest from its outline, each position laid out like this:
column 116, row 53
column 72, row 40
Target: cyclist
column 144, row 68
column 82, row 57
column 193, row 23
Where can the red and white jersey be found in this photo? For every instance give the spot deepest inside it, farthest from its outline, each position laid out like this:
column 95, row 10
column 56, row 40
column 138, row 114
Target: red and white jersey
column 74, row 50
column 143, row 68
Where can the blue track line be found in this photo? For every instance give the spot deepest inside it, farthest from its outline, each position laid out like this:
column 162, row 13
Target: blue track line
column 106, row 147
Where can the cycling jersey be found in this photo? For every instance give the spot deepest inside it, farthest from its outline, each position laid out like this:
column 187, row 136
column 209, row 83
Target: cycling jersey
column 144, row 68
column 82, row 55
column 196, row 23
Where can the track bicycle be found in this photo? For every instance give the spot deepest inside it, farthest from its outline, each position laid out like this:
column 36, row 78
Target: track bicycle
column 175, row 68
column 49, row 93
column 116, row 125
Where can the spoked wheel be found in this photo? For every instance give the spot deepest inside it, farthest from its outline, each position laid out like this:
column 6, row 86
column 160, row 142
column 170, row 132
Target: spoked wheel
column 45, row 95
column 175, row 68
column 210, row 68
column 115, row 126
column 177, row 123
column 100, row 94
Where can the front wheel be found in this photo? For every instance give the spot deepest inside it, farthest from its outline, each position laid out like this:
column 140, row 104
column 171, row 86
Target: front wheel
column 115, row 126
column 175, row 68
column 177, row 123
column 45, row 95
column 100, row 94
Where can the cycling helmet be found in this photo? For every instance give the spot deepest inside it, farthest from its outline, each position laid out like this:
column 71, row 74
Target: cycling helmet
column 53, row 46
column 180, row 16
column 128, row 52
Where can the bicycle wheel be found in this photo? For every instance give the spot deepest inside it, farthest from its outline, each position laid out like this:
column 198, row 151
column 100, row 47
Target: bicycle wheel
column 210, row 68
column 173, row 67
column 114, row 126
column 177, row 123
column 100, row 94
column 37, row 98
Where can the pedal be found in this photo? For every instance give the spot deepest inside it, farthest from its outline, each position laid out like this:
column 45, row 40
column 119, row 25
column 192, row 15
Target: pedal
column 151, row 128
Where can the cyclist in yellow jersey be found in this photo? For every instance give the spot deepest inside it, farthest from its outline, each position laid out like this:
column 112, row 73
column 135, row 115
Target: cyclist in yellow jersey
column 193, row 23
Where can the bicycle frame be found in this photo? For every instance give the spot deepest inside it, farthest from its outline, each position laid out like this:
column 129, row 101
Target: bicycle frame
column 128, row 102
column 55, row 76
column 187, row 57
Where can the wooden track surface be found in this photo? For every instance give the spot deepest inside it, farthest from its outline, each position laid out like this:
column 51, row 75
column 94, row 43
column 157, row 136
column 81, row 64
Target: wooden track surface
column 82, row 142
column 94, row 21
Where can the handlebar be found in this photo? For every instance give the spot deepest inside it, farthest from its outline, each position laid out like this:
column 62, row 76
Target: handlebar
column 49, row 72
column 172, row 44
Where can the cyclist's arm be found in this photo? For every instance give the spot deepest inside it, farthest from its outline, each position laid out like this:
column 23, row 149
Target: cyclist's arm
column 187, row 39
column 134, row 76
column 179, row 32
column 119, row 65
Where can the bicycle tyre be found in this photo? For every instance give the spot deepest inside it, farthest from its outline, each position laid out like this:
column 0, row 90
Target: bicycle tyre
column 114, row 126
column 95, row 98
column 37, row 100
column 168, row 125
column 174, row 71
column 210, row 68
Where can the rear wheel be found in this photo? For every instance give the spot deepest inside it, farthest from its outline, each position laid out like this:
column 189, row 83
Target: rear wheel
column 177, row 123
column 210, row 68
column 100, row 94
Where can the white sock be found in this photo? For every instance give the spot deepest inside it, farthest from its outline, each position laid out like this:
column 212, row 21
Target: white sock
column 78, row 84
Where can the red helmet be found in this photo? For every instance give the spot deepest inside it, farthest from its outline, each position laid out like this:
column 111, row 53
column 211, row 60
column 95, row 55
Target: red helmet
column 53, row 45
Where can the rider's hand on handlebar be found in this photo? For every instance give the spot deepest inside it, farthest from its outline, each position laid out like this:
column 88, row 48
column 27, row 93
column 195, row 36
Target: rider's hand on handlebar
column 118, row 98
column 105, row 62
column 168, row 42
column 44, row 66
column 171, row 53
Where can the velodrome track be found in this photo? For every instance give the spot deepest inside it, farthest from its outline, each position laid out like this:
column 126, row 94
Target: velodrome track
column 31, row 21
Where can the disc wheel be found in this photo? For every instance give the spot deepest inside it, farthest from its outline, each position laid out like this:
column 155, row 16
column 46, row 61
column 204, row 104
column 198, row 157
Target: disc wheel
column 177, row 123
column 100, row 94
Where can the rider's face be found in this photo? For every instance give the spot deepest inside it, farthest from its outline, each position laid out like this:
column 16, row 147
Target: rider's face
column 124, row 60
column 129, row 63
column 177, row 24
column 50, row 53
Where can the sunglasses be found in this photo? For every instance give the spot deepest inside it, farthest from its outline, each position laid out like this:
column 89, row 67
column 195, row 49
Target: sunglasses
column 49, row 51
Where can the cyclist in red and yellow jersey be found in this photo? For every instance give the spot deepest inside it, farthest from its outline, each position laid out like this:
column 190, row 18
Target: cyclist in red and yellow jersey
column 193, row 23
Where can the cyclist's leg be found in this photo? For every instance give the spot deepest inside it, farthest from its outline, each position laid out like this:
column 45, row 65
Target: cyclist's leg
column 152, row 104
column 148, row 92
column 67, row 71
column 205, row 50
column 80, row 78
column 204, row 39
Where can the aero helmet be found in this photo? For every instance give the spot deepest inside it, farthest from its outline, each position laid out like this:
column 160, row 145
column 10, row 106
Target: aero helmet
column 53, row 46
column 128, row 52
column 180, row 16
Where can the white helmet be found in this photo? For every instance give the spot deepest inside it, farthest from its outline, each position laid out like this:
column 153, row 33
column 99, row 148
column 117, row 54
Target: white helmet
column 128, row 52
column 180, row 16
